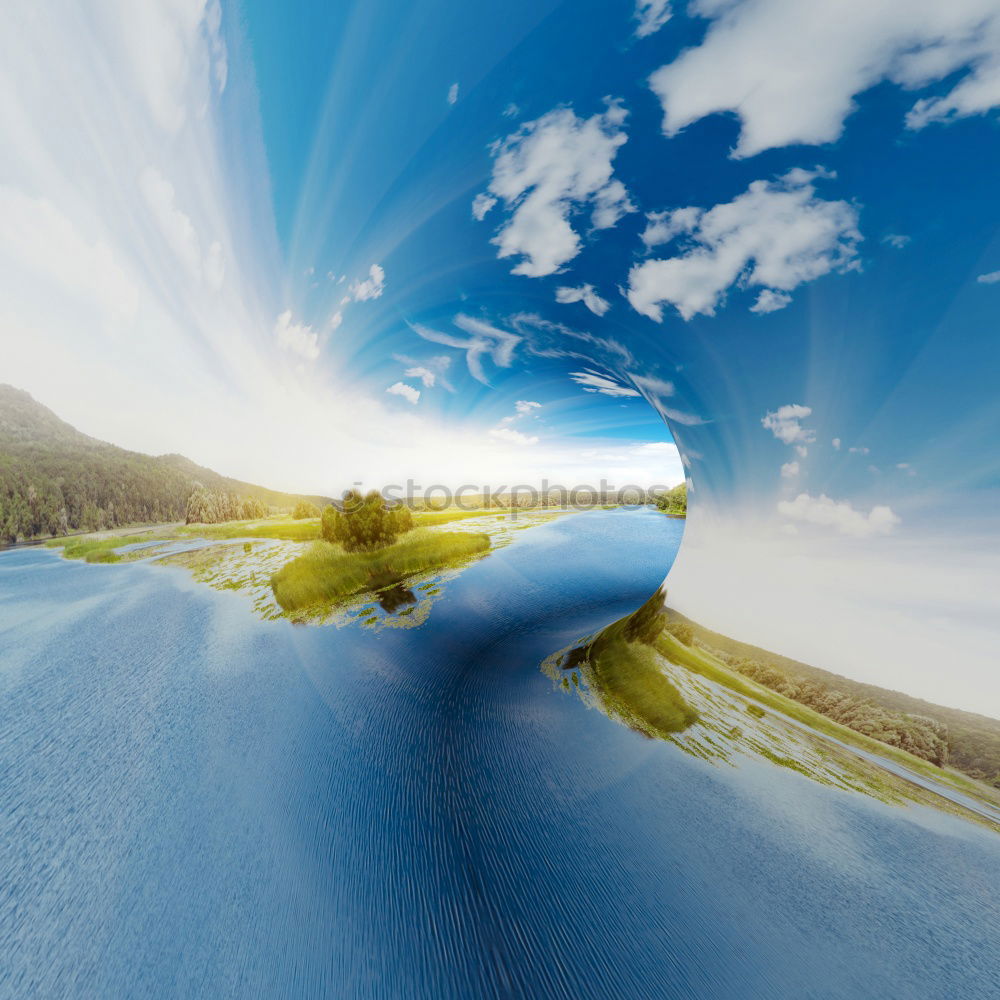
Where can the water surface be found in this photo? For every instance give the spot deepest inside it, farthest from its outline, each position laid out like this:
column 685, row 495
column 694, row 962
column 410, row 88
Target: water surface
column 194, row 802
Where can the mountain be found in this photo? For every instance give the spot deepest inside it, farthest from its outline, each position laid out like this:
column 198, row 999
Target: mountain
column 54, row 479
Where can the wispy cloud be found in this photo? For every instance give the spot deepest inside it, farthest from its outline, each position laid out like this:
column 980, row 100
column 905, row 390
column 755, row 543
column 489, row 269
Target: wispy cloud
column 371, row 287
column 990, row 278
column 896, row 240
column 770, row 301
column 512, row 436
column 606, row 385
column 453, row 94
column 651, row 15
column 483, row 341
column 585, row 294
column 296, row 338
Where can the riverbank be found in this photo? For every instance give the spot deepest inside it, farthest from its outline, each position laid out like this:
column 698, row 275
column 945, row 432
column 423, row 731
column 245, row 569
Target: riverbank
column 646, row 672
column 282, row 568
column 326, row 573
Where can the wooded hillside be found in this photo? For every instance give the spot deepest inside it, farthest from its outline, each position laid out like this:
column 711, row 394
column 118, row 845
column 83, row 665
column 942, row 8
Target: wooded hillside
column 54, row 479
column 965, row 741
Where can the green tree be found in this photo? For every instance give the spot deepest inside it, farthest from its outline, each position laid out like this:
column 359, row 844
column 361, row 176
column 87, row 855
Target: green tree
column 674, row 502
column 364, row 523
column 305, row 509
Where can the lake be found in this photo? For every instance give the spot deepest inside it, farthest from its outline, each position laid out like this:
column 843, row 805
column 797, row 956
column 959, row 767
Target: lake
column 198, row 803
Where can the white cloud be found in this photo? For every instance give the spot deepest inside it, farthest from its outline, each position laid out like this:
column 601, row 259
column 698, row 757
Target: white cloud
column 790, row 470
column 512, row 436
column 175, row 226
column 662, row 227
column 859, row 450
column 336, row 319
column 592, row 381
column 407, row 392
column 215, row 266
column 549, row 169
column 989, row 279
column 777, row 234
column 784, row 424
column 836, row 444
column 839, row 514
column 42, row 252
column 372, row 287
column 657, row 448
column 770, row 301
column 790, row 70
column 653, row 388
column 431, row 371
column 896, row 240
column 503, row 431
column 453, row 93
column 585, row 294
column 424, row 374
column 481, row 204
column 296, row 338
column 863, row 610
column 483, row 341
column 172, row 49
column 651, row 15
column 511, row 111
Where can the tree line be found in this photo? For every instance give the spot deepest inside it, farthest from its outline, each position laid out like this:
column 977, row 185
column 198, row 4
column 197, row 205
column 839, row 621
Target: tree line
column 214, row 507
column 55, row 480
column 966, row 741
column 674, row 502
column 917, row 734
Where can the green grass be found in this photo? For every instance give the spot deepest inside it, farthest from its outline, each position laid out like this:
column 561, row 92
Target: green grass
column 326, row 573
column 630, row 683
column 96, row 550
column 285, row 529
column 429, row 518
column 703, row 663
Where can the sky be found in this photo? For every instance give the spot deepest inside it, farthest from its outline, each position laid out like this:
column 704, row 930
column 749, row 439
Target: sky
column 753, row 243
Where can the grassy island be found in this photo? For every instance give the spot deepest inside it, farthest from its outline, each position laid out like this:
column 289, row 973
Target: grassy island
column 621, row 667
column 327, row 573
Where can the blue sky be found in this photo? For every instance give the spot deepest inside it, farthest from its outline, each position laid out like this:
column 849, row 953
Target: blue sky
column 369, row 162
column 312, row 243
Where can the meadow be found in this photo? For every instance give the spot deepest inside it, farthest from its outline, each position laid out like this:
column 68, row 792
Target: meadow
column 326, row 573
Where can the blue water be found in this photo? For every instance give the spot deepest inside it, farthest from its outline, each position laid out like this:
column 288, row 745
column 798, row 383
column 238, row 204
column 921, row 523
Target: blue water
column 196, row 803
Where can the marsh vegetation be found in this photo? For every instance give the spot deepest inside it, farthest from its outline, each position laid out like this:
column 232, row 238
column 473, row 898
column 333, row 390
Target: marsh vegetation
column 327, row 572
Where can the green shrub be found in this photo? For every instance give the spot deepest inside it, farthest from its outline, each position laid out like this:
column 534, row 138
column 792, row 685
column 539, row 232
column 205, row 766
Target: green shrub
column 365, row 523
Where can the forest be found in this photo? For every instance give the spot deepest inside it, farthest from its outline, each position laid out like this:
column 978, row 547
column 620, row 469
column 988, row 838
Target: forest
column 966, row 741
column 673, row 503
column 55, row 480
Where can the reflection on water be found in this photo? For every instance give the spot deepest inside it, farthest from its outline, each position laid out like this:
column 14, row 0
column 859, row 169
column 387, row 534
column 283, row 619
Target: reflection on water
column 391, row 599
column 195, row 801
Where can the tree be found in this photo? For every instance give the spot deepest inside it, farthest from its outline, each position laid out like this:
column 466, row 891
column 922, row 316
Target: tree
column 365, row 523
column 681, row 632
column 305, row 509
column 674, row 502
